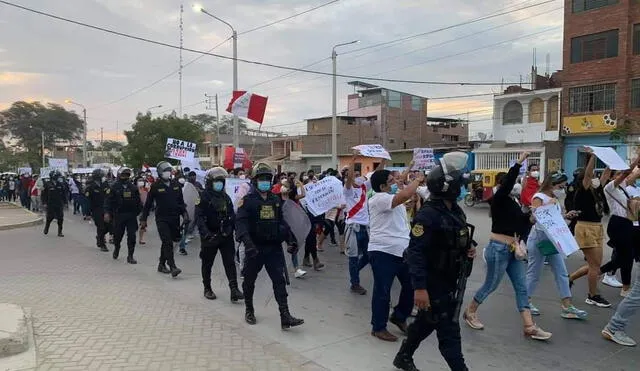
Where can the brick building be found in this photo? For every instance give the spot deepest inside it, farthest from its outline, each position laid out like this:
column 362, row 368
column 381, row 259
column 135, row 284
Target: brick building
column 600, row 77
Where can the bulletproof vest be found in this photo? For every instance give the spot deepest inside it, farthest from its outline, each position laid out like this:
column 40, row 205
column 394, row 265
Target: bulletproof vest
column 451, row 242
column 127, row 198
column 55, row 193
column 219, row 214
column 266, row 229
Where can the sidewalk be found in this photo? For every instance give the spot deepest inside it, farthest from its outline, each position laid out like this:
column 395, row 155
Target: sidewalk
column 13, row 216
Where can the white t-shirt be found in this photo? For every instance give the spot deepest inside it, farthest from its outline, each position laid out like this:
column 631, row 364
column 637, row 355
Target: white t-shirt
column 357, row 204
column 616, row 199
column 388, row 228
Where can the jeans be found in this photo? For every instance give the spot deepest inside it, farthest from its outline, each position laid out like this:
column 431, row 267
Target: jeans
column 501, row 260
column 536, row 263
column 76, row 203
column 627, row 307
column 385, row 268
column 358, row 257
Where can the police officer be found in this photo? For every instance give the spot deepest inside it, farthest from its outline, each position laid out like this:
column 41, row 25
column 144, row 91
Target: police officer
column 54, row 197
column 122, row 204
column 216, row 222
column 167, row 194
column 440, row 245
column 262, row 229
column 95, row 192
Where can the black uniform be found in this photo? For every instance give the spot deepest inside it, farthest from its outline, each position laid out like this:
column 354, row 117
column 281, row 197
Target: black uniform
column 262, row 229
column 439, row 243
column 169, row 207
column 54, row 196
column 123, row 203
column 216, row 222
column 95, row 193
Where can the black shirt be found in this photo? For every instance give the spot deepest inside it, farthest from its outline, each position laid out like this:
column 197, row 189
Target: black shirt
column 507, row 217
column 590, row 203
column 168, row 199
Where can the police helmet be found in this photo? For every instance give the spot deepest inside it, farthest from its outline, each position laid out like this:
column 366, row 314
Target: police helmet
column 445, row 180
column 163, row 166
column 262, row 170
column 124, row 172
column 216, row 173
column 52, row 174
column 97, row 174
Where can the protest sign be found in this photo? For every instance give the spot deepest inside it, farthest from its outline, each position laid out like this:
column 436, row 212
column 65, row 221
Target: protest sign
column 44, row 171
column 24, row 170
column 193, row 164
column 610, row 157
column 423, row 159
column 238, row 158
column 235, row 187
column 324, row 195
column 373, row 150
column 556, row 229
column 523, row 168
column 60, row 164
column 82, row 170
column 180, row 150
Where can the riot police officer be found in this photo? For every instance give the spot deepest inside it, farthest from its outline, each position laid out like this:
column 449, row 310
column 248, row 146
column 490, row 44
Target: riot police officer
column 216, row 222
column 261, row 227
column 54, row 197
column 439, row 257
column 122, row 204
column 95, row 193
column 167, row 194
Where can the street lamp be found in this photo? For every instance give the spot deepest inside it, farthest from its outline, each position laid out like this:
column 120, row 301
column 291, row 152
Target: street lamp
column 154, row 107
column 84, row 132
column 236, row 128
column 334, row 121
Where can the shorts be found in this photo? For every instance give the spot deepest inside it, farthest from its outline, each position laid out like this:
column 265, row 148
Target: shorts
column 589, row 235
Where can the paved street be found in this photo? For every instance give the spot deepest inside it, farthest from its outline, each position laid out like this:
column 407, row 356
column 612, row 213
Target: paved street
column 93, row 313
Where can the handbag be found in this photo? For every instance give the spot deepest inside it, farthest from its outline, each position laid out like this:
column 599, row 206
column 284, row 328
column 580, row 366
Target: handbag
column 547, row 248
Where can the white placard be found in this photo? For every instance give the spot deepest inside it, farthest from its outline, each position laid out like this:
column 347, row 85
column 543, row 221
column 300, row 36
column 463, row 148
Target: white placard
column 324, row 195
column 24, row 170
column 610, row 157
column 200, row 174
column 423, row 159
column 193, row 164
column 556, row 229
column 82, row 170
column 236, row 188
column 373, row 150
column 44, row 171
column 60, row 164
column 523, row 167
column 180, row 150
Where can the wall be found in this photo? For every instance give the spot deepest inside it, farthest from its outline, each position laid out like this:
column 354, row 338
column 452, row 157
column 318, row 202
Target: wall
column 323, row 162
column 367, row 164
column 572, row 144
column 351, row 132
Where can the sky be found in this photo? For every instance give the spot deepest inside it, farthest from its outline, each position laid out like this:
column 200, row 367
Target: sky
column 49, row 60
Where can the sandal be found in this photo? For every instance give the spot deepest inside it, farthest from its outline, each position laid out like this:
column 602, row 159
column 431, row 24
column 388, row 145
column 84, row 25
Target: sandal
column 536, row 333
column 472, row 320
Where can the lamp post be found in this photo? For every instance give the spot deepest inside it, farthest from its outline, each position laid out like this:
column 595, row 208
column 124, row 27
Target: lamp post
column 334, row 117
column 84, row 131
column 154, row 107
column 234, row 36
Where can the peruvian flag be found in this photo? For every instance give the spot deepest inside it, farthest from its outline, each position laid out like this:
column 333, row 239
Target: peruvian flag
column 245, row 104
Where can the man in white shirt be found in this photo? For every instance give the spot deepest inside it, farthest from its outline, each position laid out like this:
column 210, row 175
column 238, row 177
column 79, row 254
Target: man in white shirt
column 389, row 237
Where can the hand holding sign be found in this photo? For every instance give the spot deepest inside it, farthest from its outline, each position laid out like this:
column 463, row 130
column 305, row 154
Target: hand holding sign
column 373, row 150
column 609, row 156
column 423, row 159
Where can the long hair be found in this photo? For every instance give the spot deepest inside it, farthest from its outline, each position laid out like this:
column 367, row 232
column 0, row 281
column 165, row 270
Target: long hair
column 551, row 180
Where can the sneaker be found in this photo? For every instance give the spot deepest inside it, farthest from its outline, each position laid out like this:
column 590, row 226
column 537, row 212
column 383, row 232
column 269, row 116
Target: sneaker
column 534, row 310
column 624, row 293
column 299, row 273
column 472, row 320
column 357, row 289
column 618, row 337
column 536, row 333
column 598, row 301
column 612, row 281
column 572, row 312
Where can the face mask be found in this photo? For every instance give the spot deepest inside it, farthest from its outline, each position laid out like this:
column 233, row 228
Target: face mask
column 264, row 185
column 283, row 181
column 394, row 189
column 166, row 175
column 217, row 186
column 181, row 181
column 84, row 181
column 535, row 174
column 558, row 192
column 595, row 183
column 140, row 184
column 305, row 178
column 104, row 179
column 638, row 183
column 242, row 176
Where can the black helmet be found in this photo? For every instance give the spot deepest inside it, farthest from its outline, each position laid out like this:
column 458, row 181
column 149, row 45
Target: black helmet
column 124, row 172
column 262, row 170
column 445, row 180
column 52, row 174
column 97, row 174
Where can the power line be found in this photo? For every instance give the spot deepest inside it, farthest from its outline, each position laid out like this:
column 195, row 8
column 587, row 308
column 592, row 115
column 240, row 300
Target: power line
column 289, row 17
column 139, row 38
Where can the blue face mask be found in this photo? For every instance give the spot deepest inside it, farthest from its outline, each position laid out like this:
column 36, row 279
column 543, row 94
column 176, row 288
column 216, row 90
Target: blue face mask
column 638, row 183
column 264, row 185
column 217, row 186
column 394, row 189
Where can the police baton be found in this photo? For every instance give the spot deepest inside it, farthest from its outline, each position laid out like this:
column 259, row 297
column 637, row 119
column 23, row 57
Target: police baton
column 286, row 272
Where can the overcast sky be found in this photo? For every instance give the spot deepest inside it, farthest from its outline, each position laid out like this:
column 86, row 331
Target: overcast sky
column 49, row 60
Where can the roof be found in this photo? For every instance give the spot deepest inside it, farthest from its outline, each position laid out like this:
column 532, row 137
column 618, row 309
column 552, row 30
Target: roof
column 444, row 120
column 361, row 84
column 341, row 117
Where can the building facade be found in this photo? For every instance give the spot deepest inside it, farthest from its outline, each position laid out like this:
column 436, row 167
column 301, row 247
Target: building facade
column 600, row 77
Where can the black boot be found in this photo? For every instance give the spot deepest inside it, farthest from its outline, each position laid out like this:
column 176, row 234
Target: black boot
column 103, row 246
column 131, row 260
column 116, row 252
column 209, row 294
column 46, row 227
column 287, row 320
column 60, row 230
column 163, row 268
column 249, row 315
column 175, row 271
column 183, row 252
column 130, row 251
column 404, row 358
column 236, row 294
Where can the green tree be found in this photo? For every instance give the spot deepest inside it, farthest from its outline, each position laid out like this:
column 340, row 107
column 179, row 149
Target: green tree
column 26, row 121
column 208, row 123
column 109, row 145
column 147, row 138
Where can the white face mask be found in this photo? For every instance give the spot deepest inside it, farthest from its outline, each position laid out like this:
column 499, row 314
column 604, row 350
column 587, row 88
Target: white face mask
column 242, row 176
column 140, row 184
column 166, row 175
column 535, row 174
column 283, row 181
column 181, row 181
column 595, row 183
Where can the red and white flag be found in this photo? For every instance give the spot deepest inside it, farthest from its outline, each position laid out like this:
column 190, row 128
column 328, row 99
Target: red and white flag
column 246, row 104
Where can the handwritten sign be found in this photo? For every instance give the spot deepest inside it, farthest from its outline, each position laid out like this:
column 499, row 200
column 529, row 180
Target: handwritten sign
column 373, row 150
column 192, row 164
column 180, row 150
column 523, row 168
column 556, row 229
column 238, row 157
column 82, row 170
column 610, row 157
column 24, row 170
column 324, row 195
column 60, row 164
column 236, row 188
column 423, row 159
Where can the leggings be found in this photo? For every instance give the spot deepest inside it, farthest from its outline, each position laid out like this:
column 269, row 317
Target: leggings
column 310, row 245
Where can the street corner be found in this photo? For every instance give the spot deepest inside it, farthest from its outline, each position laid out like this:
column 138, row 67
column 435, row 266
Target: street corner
column 14, row 216
column 14, row 332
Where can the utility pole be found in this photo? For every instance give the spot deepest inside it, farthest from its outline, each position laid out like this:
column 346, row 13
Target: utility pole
column 180, row 70
column 42, row 138
column 102, row 143
column 210, row 107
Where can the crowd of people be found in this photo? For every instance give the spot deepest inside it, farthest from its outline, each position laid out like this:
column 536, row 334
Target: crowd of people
column 404, row 225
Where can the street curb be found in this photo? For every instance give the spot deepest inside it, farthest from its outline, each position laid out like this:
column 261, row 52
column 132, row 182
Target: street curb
column 11, row 205
column 14, row 337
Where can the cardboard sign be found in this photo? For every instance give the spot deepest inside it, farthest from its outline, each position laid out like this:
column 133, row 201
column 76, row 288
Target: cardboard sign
column 373, row 150
column 423, row 159
column 610, row 157
column 523, row 168
column 60, row 164
column 193, row 164
column 556, row 229
column 82, row 170
column 180, row 150
column 24, row 170
column 236, row 188
column 238, row 158
column 324, row 195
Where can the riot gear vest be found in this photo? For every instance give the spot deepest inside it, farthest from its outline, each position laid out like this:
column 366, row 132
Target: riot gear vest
column 217, row 209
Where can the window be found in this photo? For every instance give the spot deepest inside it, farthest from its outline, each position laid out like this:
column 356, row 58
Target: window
column 584, row 5
column 595, row 46
column 552, row 113
column 317, row 169
column 512, row 113
column 592, row 98
column 636, row 39
column 582, row 160
column 536, row 110
column 395, row 99
column 416, row 103
column 405, row 124
column 635, row 93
